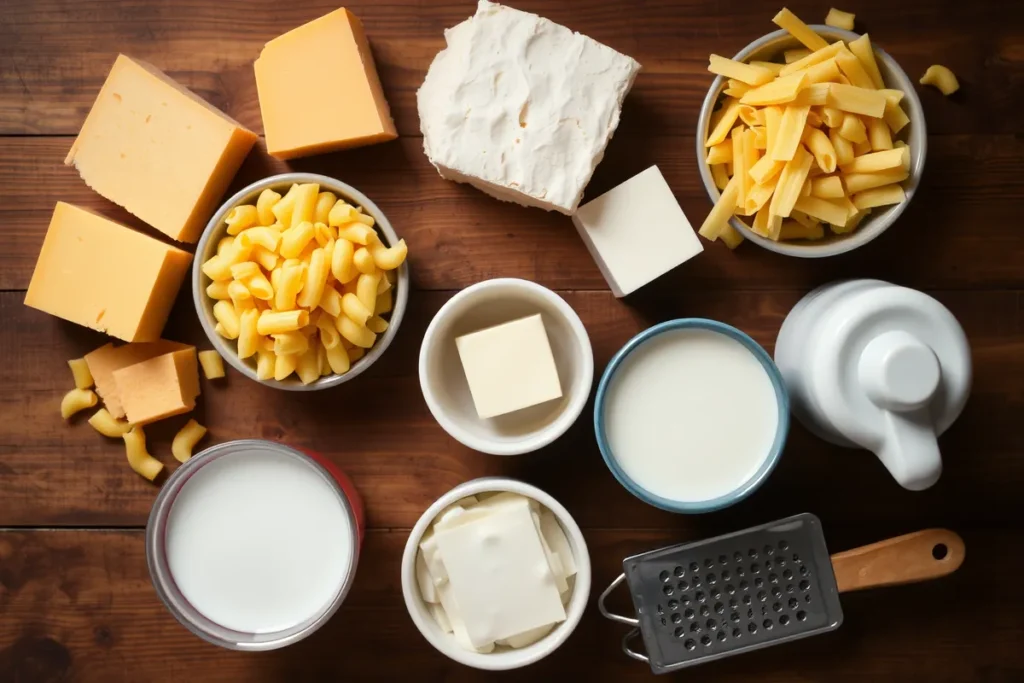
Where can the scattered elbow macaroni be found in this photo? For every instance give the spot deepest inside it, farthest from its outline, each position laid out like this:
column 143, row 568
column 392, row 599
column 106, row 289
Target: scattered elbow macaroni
column 108, row 425
column 80, row 371
column 302, row 283
column 942, row 78
column 77, row 400
column 805, row 144
column 186, row 439
column 138, row 457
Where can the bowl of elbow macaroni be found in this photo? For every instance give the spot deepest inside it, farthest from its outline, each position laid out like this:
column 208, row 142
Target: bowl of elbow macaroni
column 300, row 281
column 811, row 142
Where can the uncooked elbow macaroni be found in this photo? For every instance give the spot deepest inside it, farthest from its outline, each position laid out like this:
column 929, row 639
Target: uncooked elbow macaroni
column 212, row 364
column 108, row 425
column 303, row 283
column 76, row 401
column 942, row 78
column 139, row 458
column 80, row 372
column 186, row 439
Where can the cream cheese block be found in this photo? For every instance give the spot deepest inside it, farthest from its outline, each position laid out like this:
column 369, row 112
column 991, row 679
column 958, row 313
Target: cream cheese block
column 522, row 108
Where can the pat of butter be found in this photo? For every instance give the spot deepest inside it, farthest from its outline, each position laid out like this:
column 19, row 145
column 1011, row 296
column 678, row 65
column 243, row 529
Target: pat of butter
column 455, row 622
column 499, row 576
column 636, row 232
column 509, row 366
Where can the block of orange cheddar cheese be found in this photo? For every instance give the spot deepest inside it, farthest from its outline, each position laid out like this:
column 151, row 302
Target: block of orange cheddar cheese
column 159, row 150
column 107, row 359
column 319, row 90
column 159, row 387
column 98, row 273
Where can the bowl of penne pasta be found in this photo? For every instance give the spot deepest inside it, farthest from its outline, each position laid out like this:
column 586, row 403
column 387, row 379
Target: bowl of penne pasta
column 300, row 281
column 810, row 142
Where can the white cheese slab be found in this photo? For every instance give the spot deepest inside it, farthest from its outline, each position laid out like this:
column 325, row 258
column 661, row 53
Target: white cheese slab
column 498, row 576
column 637, row 232
column 522, row 108
column 509, row 366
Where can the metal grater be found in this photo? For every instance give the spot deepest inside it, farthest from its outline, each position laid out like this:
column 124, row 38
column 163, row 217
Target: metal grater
column 697, row 602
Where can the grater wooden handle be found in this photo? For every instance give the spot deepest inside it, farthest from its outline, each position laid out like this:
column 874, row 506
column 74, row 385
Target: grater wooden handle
column 919, row 556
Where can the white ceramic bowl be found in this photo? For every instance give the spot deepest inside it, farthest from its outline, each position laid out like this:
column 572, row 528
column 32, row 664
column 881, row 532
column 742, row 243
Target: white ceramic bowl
column 507, row 659
column 443, row 380
column 770, row 47
column 216, row 229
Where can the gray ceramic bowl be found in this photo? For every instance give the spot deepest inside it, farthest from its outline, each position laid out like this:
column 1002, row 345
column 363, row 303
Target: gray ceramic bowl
column 216, row 229
column 769, row 48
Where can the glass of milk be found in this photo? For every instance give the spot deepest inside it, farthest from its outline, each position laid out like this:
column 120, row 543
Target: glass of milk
column 253, row 545
column 691, row 415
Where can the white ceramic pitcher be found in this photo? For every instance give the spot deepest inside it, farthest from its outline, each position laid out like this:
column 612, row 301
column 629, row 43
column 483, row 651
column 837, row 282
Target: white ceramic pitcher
column 873, row 365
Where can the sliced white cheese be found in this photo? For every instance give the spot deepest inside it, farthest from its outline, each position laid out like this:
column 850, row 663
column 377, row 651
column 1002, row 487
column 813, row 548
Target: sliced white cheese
column 426, row 583
column 441, row 617
column 554, row 562
column 499, row 576
column 557, row 540
column 428, row 546
column 458, row 626
column 529, row 637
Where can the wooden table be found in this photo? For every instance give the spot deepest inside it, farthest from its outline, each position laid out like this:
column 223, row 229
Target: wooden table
column 75, row 598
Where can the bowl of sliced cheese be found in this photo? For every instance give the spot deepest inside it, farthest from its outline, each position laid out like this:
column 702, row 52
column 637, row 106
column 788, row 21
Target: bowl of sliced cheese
column 811, row 141
column 300, row 281
column 496, row 574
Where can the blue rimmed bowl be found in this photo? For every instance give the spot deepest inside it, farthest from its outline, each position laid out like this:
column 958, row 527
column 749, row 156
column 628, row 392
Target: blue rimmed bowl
column 747, row 487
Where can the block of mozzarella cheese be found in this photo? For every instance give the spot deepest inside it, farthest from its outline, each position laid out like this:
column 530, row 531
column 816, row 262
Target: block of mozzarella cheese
column 499, row 576
column 105, row 360
column 159, row 150
column 521, row 107
column 509, row 366
column 636, row 232
column 101, row 274
column 319, row 90
column 159, row 387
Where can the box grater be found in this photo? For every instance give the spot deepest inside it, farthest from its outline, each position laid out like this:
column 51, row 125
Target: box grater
column 697, row 602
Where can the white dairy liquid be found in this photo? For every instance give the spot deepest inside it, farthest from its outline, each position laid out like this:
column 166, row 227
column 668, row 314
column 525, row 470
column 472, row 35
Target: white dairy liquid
column 690, row 415
column 258, row 541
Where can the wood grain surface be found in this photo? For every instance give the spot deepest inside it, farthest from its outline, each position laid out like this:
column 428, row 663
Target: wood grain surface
column 76, row 603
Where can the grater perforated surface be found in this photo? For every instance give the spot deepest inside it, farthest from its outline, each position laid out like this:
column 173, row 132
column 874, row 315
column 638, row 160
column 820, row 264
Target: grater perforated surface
column 713, row 598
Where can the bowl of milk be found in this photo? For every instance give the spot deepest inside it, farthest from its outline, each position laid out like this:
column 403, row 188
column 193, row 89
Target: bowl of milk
column 253, row 545
column 691, row 415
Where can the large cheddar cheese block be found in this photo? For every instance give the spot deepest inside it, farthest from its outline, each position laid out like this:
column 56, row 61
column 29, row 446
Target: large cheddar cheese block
column 159, row 387
column 319, row 90
column 98, row 273
column 159, row 150
column 108, row 359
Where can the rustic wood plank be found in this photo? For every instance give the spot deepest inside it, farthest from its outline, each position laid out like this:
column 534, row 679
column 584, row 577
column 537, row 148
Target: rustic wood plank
column 57, row 52
column 51, row 474
column 78, row 605
column 458, row 236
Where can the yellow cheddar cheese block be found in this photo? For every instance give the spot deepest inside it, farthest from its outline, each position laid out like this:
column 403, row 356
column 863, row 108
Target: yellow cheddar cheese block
column 98, row 273
column 107, row 359
column 159, row 387
column 319, row 90
column 159, row 150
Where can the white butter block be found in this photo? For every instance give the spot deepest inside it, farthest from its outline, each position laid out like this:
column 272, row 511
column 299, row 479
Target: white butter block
column 522, row 108
column 498, row 576
column 509, row 366
column 636, row 232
